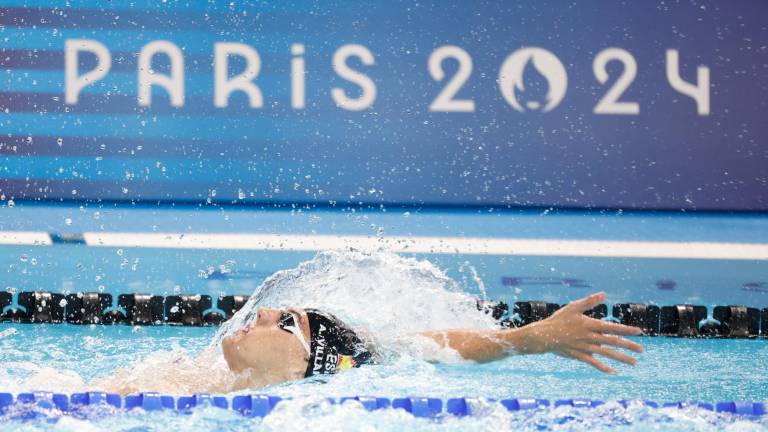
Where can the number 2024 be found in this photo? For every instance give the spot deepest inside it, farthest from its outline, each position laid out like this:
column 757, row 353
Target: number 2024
column 548, row 65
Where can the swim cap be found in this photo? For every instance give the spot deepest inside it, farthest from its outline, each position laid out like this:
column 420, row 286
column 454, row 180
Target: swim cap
column 334, row 345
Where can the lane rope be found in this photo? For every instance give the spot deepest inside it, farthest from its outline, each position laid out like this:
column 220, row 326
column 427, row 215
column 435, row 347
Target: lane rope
column 683, row 320
column 27, row 406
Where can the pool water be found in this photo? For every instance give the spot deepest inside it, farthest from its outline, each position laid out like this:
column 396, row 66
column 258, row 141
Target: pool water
column 669, row 370
column 316, row 414
column 390, row 294
column 166, row 267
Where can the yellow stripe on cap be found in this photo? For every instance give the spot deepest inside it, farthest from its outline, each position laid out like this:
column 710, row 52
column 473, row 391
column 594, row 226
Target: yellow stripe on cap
column 345, row 362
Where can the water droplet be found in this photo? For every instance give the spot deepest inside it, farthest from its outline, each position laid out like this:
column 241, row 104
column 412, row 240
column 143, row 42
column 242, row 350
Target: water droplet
column 120, row 252
column 63, row 303
column 174, row 309
column 11, row 203
column 68, row 221
column 23, row 258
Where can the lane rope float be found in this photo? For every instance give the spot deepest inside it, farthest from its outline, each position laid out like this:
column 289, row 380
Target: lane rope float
column 27, row 406
column 682, row 320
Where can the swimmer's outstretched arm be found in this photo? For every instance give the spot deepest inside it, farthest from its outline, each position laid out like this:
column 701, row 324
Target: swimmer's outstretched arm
column 568, row 332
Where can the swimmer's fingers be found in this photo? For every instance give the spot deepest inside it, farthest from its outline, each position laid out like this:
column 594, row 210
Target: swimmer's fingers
column 617, row 341
column 590, row 360
column 587, row 302
column 611, row 354
column 613, row 328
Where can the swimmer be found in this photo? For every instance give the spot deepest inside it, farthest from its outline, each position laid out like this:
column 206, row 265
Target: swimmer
column 292, row 344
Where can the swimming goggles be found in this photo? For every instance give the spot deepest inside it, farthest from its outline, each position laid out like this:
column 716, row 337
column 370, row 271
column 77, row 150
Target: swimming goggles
column 289, row 322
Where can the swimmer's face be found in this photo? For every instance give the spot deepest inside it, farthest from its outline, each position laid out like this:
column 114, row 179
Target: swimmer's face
column 271, row 353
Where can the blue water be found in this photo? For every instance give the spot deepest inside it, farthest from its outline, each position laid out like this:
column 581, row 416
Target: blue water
column 65, row 357
column 669, row 370
column 170, row 271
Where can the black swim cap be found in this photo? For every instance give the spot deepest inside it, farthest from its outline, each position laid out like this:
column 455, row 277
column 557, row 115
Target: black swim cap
column 334, row 345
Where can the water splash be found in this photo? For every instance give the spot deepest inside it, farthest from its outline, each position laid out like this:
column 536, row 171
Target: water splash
column 389, row 295
column 173, row 372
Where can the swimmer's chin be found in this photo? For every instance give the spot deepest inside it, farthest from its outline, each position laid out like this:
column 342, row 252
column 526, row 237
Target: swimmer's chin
column 228, row 347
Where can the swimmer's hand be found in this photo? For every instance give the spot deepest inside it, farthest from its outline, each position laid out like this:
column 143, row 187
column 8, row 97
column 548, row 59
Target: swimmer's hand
column 570, row 333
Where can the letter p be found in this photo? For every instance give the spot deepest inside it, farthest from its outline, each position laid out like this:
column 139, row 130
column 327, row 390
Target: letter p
column 74, row 82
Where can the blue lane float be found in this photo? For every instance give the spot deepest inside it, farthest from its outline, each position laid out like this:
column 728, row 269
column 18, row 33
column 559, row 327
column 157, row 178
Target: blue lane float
column 254, row 405
column 149, row 401
column 94, row 398
column 44, row 400
column 744, row 408
column 419, row 407
column 370, row 403
column 201, row 399
column 689, row 404
column 30, row 405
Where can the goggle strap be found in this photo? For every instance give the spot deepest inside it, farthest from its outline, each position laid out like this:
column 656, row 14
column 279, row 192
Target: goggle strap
column 297, row 332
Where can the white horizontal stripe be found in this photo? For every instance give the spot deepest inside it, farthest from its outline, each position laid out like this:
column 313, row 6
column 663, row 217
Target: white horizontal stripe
column 439, row 245
column 25, row 238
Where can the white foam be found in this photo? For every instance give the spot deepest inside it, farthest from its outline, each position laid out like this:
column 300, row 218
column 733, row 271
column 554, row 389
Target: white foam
column 388, row 295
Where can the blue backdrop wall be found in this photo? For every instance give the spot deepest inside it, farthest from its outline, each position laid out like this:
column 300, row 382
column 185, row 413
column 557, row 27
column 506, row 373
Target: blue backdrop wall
column 657, row 105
